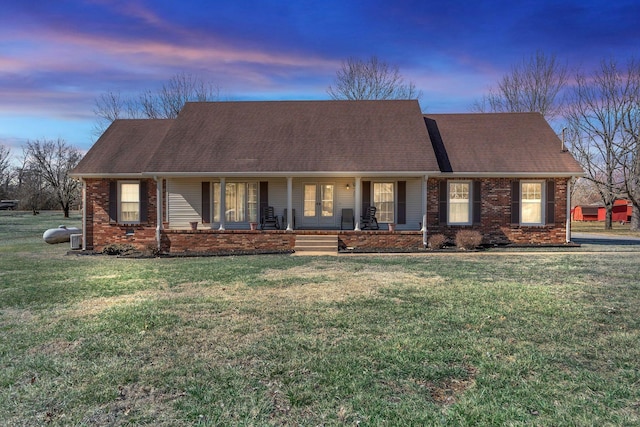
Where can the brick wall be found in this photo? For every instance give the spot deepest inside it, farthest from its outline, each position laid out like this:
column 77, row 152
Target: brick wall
column 496, row 226
column 101, row 231
column 214, row 241
column 372, row 240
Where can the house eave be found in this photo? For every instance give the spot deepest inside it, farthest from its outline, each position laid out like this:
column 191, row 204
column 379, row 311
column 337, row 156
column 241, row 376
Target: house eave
column 389, row 174
column 508, row 174
column 288, row 174
column 106, row 175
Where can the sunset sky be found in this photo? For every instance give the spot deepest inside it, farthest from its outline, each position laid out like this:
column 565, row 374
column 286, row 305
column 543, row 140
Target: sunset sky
column 57, row 57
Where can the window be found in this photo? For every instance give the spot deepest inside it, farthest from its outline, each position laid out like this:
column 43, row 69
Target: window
column 531, row 202
column 241, row 202
column 383, row 200
column 129, row 197
column 459, row 202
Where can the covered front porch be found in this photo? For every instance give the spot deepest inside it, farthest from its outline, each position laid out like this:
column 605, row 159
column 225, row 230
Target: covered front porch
column 224, row 214
column 305, row 203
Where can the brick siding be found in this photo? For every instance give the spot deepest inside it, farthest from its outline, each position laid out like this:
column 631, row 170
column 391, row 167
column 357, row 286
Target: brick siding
column 495, row 225
column 102, row 232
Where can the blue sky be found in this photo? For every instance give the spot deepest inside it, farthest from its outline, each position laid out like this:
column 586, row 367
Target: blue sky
column 57, row 57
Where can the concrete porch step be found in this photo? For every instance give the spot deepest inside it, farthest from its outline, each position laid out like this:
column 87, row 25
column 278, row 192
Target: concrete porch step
column 316, row 244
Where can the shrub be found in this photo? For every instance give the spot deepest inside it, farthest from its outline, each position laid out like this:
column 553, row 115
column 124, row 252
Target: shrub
column 437, row 241
column 468, row 239
column 118, row 249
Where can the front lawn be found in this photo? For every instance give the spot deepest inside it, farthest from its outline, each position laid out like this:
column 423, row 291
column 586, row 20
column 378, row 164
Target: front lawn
column 471, row 339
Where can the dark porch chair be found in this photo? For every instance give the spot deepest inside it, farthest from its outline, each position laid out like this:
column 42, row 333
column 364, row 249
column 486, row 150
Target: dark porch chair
column 347, row 221
column 268, row 219
column 368, row 219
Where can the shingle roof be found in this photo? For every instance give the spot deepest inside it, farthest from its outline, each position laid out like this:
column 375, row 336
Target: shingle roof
column 498, row 142
column 296, row 136
column 124, row 148
column 279, row 137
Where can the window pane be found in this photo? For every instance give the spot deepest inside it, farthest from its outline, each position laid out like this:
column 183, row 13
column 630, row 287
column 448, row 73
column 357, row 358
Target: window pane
column 531, row 213
column 327, row 199
column 130, row 192
column 309, row 200
column 531, row 200
column 216, row 202
column 241, row 200
column 252, row 201
column 235, row 202
column 459, row 202
column 230, row 202
column 383, row 200
column 129, row 202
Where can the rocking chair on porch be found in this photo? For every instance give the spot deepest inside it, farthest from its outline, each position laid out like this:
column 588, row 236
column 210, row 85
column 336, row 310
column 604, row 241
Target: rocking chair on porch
column 368, row 219
column 268, row 219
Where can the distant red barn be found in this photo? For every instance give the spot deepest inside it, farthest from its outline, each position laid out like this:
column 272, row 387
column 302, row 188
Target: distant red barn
column 621, row 212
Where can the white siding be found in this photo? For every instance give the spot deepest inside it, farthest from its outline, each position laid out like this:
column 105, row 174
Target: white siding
column 414, row 205
column 184, row 201
column 185, row 204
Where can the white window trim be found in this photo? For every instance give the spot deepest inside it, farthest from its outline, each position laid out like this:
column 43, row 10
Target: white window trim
column 215, row 196
column 543, row 202
column 469, row 203
column 395, row 200
column 119, row 213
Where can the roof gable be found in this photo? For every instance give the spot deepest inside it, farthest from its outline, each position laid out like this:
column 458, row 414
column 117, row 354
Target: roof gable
column 296, row 136
column 504, row 143
column 124, row 148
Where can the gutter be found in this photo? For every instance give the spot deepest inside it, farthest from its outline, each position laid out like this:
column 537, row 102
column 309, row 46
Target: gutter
column 568, row 222
column 84, row 214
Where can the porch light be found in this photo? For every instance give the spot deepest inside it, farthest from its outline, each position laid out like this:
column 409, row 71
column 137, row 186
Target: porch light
column 348, row 186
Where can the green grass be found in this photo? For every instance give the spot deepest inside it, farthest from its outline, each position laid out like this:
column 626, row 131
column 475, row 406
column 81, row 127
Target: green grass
column 598, row 227
column 454, row 340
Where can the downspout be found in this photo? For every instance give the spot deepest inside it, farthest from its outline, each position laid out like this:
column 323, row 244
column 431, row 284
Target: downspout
column 84, row 214
column 159, row 204
column 568, row 226
column 425, row 180
column 358, row 203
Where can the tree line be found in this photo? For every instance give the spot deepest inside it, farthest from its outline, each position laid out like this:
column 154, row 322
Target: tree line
column 598, row 111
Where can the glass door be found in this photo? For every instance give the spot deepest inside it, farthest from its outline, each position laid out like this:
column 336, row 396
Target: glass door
column 318, row 205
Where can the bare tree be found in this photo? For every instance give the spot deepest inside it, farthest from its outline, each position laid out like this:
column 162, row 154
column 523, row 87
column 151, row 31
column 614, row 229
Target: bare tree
column 5, row 171
column 373, row 79
column 52, row 161
column 161, row 104
column 595, row 116
column 584, row 192
column 629, row 158
column 533, row 85
column 111, row 106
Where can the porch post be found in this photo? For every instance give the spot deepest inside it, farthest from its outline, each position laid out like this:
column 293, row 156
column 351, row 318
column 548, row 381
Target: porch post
column 358, row 201
column 424, row 202
column 222, row 205
column 289, row 203
column 158, row 211
column 425, row 189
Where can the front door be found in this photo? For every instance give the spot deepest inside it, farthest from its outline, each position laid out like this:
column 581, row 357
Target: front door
column 318, row 205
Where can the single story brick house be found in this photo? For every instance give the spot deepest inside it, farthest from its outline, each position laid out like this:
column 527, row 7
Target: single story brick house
column 199, row 182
